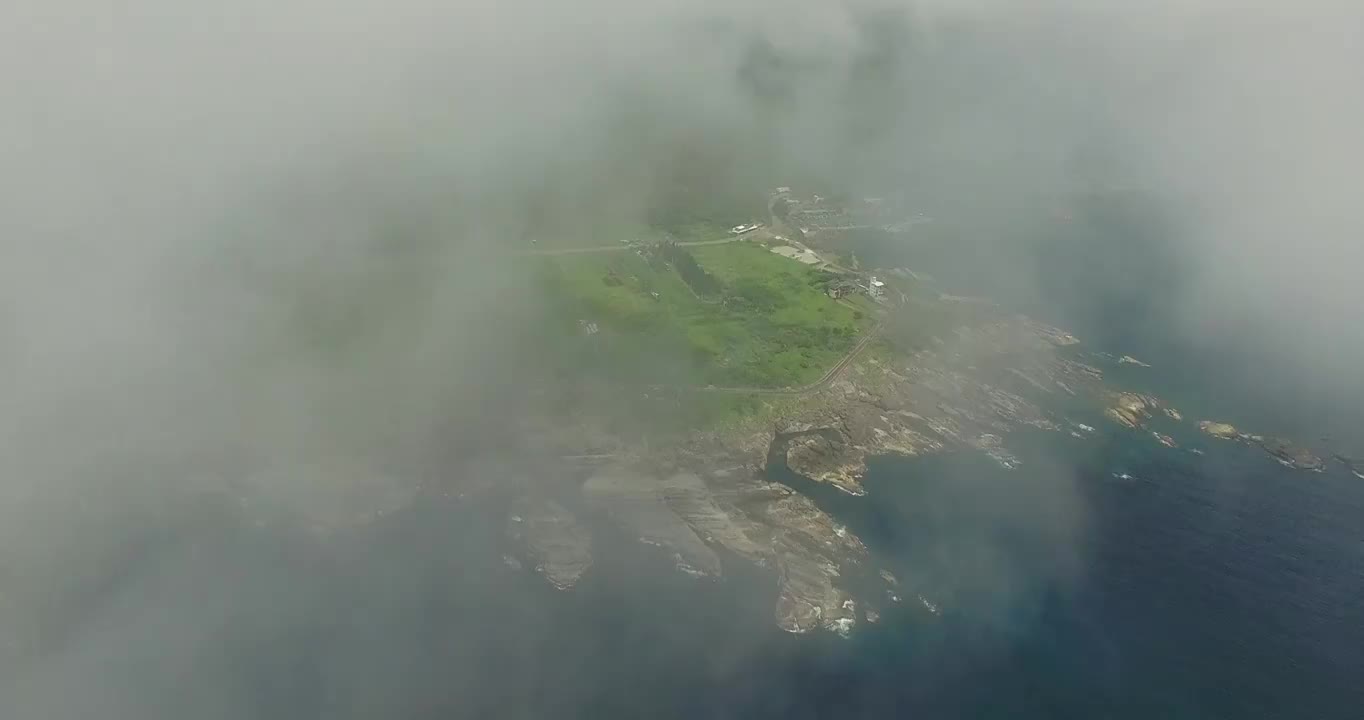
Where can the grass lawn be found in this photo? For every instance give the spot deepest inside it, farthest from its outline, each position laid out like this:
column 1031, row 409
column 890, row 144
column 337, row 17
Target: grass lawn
column 770, row 325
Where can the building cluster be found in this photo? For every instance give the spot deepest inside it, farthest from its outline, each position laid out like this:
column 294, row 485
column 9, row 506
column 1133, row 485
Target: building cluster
column 843, row 287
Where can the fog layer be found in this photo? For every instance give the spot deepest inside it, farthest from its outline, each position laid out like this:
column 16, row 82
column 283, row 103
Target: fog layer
column 180, row 182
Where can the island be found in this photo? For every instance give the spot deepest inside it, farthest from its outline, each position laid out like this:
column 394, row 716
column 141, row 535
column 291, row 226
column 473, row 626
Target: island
column 671, row 377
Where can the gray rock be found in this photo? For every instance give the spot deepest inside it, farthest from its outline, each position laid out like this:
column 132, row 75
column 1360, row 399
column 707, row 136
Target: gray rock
column 638, row 502
column 1294, row 456
column 557, row 545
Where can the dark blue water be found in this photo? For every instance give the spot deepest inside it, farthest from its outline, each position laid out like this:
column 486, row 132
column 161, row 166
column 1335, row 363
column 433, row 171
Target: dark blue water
column 1220, row 585
column 1214, row 586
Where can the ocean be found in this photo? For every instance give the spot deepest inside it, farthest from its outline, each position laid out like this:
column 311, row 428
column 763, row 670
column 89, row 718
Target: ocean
column 1113, row 577
column 1105, row 577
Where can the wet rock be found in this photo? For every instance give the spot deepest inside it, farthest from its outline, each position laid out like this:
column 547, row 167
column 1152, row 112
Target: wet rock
column 1354, row 465
column 993, row 447
column 811, row 553
column 1285, row 451
column 555, row 543
column 827, row 456
column 1131, row 410
column 1294, row 456
column 694, row 502
column 769, row 524
column 1221, row 431
column 637, row 501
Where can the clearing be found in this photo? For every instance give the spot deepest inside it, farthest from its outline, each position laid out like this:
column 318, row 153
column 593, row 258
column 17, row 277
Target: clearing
column 733, row 315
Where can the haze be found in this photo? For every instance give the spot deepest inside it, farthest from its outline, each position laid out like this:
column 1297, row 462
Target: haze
column 176, row 178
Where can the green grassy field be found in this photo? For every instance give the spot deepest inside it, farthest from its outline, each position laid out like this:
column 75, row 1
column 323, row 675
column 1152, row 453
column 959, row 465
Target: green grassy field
column 770, row 324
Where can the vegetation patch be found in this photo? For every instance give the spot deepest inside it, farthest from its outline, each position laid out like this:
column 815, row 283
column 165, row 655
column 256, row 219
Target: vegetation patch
column 758, row 320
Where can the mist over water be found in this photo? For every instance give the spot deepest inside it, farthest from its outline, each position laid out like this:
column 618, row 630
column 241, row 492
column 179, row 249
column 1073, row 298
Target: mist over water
column 253, row 256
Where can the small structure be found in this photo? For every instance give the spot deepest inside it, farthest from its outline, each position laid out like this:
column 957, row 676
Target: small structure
column 875, row 288
column 842, row 288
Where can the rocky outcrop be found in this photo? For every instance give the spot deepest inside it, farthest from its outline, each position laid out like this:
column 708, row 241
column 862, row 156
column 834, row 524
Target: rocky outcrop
column 1285, row 451
column 811, row 553
column 1291, row 455
column 637, row 501
column 555, row 543
column 688, row 496
column 827, row 456
column 967, row 389
column 1219, row 430
column 765, row 523
column 981, row 383
column 1354, row 465
column 1131, row 410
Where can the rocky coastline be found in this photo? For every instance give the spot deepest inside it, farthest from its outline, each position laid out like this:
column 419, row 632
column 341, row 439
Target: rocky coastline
column 968, row 390
column 1286, row 452
column 708, row 499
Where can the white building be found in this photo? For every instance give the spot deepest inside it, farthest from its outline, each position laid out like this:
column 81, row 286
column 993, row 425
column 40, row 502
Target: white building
column 875, row 288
